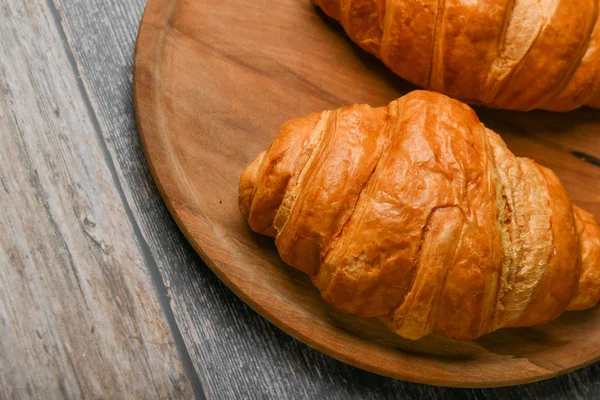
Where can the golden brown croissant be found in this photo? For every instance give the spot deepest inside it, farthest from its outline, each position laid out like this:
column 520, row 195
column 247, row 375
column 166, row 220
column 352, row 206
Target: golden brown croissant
column 418, row 214
column 513, row 54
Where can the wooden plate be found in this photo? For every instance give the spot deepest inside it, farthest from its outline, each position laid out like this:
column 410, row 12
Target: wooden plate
column 214, row 81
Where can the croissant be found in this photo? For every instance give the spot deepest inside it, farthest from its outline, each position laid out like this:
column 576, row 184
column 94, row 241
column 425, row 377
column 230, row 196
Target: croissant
column 418, row 214
column 512, row 54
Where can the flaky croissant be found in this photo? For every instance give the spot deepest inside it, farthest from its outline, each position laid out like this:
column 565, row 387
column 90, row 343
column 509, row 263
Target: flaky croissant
column 418, row 214
column 513, row 54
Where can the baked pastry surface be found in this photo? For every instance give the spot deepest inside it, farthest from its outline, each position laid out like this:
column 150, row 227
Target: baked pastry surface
column 512, row 54
column 418, row 214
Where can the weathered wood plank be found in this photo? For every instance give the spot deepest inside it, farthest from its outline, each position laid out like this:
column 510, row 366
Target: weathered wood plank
column 79, row 313
column 235, row 352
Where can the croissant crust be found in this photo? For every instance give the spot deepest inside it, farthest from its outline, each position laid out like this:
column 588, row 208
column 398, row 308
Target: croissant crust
column 417, row 214
column 513, row 54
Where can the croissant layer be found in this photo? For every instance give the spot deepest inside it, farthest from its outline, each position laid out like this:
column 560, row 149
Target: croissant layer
column 419, row 215
column 513, row 54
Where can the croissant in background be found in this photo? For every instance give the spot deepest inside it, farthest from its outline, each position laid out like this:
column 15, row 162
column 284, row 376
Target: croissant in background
column 513, row 54
column 418, row 214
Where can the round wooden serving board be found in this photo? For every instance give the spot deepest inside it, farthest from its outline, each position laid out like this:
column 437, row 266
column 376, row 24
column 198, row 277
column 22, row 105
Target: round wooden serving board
column 213, row 82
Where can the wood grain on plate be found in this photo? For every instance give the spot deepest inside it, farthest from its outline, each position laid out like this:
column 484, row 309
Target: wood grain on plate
column 212, row 87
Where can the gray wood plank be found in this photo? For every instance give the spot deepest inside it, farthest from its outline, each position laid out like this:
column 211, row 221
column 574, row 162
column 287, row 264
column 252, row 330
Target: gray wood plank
column 234, row 351
column 79, row 313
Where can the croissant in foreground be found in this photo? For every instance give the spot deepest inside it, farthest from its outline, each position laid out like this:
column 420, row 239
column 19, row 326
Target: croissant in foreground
column 513, row 54
column 418, row 214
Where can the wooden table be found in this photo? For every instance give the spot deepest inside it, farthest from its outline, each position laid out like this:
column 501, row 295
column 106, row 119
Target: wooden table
column 100, row 294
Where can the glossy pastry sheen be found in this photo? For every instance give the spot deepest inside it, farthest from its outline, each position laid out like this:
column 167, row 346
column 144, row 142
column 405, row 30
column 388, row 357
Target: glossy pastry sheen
column 418, row 214
column 513, row 54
